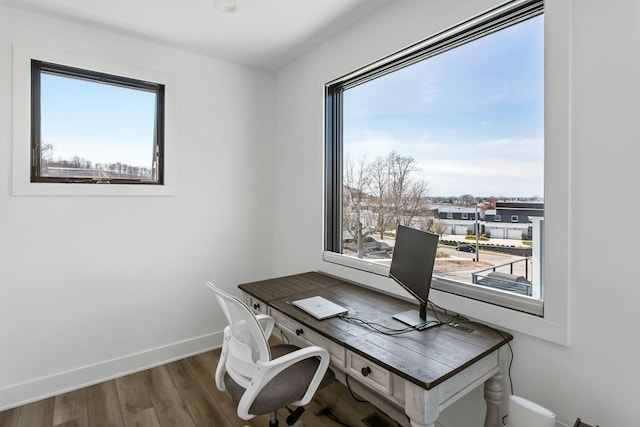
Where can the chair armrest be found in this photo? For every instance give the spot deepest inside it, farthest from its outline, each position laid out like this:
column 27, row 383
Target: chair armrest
column 267, row 370
column 266, row 323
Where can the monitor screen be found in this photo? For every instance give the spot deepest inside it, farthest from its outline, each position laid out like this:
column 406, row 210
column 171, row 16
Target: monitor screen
column 412, row 263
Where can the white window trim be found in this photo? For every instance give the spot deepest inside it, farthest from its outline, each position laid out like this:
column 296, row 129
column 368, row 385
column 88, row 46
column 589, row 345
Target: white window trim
column 553, row 326
column 22, row 186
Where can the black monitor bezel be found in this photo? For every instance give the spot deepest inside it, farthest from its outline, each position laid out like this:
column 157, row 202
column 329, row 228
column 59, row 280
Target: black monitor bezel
column 428, row 250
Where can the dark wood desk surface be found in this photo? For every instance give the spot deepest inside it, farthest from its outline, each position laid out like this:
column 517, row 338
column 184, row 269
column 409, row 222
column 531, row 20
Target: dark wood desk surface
column 425, row 358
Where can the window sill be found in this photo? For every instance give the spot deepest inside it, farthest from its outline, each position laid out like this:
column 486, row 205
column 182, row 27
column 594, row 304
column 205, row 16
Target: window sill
column 55, row 189
column 376, row 276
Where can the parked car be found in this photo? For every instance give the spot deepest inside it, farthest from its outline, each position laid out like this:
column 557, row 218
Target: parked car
column 466, row 248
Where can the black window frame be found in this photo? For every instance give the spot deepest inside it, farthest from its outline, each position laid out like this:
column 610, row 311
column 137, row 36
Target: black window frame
column 493, row 20
column 38, row 67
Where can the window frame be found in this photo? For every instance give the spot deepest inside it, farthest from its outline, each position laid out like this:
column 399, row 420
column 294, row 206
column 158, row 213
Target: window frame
column 39, row 67
column 493, row 20
column 23, row 53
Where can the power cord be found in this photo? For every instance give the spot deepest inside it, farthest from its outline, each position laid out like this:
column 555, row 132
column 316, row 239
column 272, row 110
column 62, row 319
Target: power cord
column 454, row 320
column 458, row 319
column 386, row 330
column 326, row 411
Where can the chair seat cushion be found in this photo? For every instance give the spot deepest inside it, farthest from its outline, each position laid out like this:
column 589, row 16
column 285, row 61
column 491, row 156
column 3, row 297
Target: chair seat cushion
column 286, row 387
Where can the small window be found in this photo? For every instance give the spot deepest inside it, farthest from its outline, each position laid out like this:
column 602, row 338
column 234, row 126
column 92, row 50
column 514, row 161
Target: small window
column 497, row 218
column 449, row 215
column 465, row 215
column 92, row 127
column 514, row 218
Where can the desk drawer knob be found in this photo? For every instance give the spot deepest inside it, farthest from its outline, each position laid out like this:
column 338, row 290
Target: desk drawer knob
column 299, row 332
column 256, row 306
column 365, row 371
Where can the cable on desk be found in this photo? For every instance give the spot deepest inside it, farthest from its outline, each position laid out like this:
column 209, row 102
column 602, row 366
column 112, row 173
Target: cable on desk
column 386, row 330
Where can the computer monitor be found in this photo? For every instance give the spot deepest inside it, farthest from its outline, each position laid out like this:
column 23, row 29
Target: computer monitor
column 412, row 263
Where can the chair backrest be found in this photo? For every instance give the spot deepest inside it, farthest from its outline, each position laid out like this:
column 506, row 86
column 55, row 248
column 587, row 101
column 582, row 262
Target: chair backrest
column 247, row 342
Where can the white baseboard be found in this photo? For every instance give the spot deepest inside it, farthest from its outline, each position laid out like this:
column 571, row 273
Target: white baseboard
column 40, row 388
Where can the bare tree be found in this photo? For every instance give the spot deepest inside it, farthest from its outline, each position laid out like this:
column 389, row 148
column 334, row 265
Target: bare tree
column 439, row 227
column 414, row 202
column 379, row 195
column 407, row 195
column 379, row 180
column 467, row 199
column 355, row 183
column 46, row 152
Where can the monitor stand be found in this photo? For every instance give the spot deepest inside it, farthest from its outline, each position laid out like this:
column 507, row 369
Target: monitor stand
column 413, row 319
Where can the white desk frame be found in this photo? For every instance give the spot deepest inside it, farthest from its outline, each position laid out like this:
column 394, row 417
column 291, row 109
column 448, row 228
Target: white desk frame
column 392, row 393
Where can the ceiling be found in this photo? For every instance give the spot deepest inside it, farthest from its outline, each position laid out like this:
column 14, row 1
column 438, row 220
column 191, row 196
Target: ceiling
column 265, row 34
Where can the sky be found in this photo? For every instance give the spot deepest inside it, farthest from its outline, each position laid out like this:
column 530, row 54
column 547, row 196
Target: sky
column 99, row 122
column 471, row 117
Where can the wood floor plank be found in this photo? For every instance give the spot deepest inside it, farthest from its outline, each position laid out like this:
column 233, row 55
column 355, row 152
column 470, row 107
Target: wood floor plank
column 144, row 418
column 169, row 406
column 77, row 422
column 36, row 414
column 132, row 394
column 103, row 407
column 197, row 393
column 70, row 406
column 180, row 394
column 9, row 418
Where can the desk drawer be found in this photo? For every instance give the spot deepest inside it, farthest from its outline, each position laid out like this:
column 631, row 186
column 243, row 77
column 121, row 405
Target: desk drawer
column 302, row 334
column 255, row 304
column 369, row 373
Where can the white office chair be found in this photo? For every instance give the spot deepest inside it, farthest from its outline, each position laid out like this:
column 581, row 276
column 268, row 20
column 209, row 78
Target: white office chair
column 262, row 379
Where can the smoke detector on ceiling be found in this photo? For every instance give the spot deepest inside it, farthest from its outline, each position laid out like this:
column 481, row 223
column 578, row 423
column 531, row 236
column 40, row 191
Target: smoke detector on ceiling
column 227, row 6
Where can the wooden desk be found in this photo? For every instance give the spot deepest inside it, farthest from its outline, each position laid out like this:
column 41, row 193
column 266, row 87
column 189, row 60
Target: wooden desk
column 418, row 373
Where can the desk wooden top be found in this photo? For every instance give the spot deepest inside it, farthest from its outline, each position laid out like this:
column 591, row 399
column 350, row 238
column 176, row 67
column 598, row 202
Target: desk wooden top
column 425, row 358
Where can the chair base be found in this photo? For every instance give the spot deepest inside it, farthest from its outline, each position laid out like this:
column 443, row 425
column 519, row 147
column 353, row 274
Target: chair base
column 292, row 420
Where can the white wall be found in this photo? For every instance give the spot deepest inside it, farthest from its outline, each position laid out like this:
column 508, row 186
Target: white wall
column 92, row 287
column 594, row 377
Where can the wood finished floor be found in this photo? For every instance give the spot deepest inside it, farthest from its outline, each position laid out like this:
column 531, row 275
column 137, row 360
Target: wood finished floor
column 179, row 394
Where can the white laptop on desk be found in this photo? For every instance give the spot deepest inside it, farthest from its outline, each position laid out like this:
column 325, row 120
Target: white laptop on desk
column 319, row 307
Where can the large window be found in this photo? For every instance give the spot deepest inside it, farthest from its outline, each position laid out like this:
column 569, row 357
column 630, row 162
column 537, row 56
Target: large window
column 447, row 136
column 91, row 127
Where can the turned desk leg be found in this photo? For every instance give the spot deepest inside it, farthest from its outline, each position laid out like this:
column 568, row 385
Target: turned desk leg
column 421, row 406
column 494, row 391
